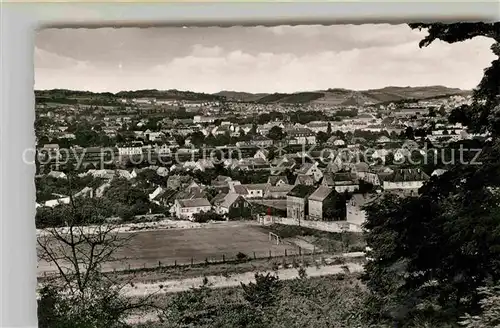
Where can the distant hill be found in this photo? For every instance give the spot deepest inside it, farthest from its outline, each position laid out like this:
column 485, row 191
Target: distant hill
column 345, row 97
column 168, row 95
column 342, row 97
column 240, row 96
column 294, row 98
column 59, row 94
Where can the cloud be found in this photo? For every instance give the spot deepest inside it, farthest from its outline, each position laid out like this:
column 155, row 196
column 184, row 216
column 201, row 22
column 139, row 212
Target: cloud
column 48, row 60
column 458, row 65
column 356, row 57
column 202, row 51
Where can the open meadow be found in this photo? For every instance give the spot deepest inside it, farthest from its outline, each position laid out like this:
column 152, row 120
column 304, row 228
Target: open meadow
column 150, row 249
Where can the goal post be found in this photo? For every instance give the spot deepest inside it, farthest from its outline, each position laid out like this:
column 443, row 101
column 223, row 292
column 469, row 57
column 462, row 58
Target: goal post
column 274, row 238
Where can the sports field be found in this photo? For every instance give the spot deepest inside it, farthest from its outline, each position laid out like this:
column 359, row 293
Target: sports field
column 180, row 246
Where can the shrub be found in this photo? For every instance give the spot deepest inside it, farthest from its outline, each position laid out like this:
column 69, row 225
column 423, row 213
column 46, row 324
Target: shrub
column 241, row 257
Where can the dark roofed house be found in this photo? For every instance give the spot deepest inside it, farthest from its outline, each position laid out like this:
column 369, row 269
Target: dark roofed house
column 341, row 181
column 262, row 154
column 240, row 190
column 221, row 182
column 303, row 179
column 176, row 181
column 283, row 166
column 191, row 193
column 326, row 204
column 233, row 206
column 279, row 191
column 218, row 198
column 261, row 141
column 259, row 164
column 296, row 201
column 276, row 180
column 311, row 169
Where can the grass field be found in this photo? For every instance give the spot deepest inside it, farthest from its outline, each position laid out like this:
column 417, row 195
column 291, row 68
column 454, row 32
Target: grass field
column 148, row 248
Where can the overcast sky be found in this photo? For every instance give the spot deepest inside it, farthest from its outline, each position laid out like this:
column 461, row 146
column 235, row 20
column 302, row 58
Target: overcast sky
column 253, row 59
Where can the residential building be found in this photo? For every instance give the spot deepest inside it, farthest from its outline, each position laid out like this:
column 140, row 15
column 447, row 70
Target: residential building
column 277, row 180
column 407, row 181
column 383, row 140
column 355, row 207
column 312, row 170
column 156, row 193
column 339, row 143
column 262, row 154
column 438, row 172
column 203, row 119
column 176, row 181
column 233, row 206
column 278, row 191
column 129, row 151
column 322, row 200
column 341, row 181
column 256, row 190
column 303, row 179
column 370, row 177
column 57, row 175
column 261, row 141
column 303, row 136
column 186, row 208
column 296, row 201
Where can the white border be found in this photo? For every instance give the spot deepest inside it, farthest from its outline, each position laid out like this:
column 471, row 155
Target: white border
column 18, row 23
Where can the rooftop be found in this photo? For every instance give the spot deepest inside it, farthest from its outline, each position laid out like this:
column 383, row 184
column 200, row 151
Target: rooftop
column 195, row 202
column 229, row 199
column 301, row 191
column 321, row 193
column 406, row 175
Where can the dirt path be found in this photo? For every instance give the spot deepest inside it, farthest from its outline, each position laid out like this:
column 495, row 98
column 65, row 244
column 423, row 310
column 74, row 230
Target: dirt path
column 179, row 285
column 175, row 286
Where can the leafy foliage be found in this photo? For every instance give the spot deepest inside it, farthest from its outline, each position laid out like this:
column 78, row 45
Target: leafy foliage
column 483, row 114
column 431, row 253
column 276, row 133
column 490, row 307
column 263, row 292
column 204, row 217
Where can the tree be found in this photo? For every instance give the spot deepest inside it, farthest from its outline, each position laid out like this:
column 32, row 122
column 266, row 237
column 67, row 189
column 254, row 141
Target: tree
column 263, row 292
column 197, row 138
column 409, row 133
column 253, row 131
column 204, row 217
column 483, row 114
column 430, row 253
column 180, row 139
column 80, row 294
column 276, row 133
column 329, row 129
column 322, row 137
column 490, row 310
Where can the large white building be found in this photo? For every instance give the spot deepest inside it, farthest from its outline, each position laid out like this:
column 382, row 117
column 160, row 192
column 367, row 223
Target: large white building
column 406, row 180
column 129, row 151
column 186, row 208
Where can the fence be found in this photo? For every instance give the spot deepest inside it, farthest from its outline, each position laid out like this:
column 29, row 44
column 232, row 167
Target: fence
column 124, row 266
column 334, row 226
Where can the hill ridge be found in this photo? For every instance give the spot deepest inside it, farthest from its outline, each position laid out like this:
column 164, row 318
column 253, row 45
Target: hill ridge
column 331, row 96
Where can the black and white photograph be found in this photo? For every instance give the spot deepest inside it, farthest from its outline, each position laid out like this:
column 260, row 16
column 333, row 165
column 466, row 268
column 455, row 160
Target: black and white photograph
column 312, row 176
